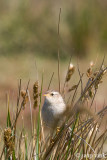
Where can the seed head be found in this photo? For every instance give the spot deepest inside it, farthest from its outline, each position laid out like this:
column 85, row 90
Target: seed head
column 72, row 88
column 91, row 93
column 8, row 141
column 99, row 78
column 91, row 64
column 25, row 97
column 35, row 94
column 70, row 72
column 89, row 72
column 105, row 71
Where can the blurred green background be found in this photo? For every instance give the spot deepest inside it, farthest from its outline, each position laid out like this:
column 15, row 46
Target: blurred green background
column 30, row 26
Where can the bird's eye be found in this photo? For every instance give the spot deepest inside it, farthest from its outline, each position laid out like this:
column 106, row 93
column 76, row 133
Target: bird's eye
column 52, row 94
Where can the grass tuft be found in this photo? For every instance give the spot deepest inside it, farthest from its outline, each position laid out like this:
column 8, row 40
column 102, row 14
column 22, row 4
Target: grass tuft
column 81, row 133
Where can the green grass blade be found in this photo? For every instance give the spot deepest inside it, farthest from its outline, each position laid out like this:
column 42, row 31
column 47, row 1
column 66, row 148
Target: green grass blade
column 9, row 124
column 73, row 127
column 8, row 116
column 26, row 151
column 80, row 155
column 13, row 155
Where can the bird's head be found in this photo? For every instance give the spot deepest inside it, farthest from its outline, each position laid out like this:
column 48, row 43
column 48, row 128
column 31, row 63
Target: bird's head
column 53, row 97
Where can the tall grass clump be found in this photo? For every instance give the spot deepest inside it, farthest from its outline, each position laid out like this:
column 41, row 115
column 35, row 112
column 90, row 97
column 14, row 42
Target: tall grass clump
column 81, row 134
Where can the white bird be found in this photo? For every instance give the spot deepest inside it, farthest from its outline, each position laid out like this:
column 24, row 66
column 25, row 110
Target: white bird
column 53, row 109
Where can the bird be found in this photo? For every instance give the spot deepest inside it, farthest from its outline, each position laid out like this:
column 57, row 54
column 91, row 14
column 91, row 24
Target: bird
column 53, row 109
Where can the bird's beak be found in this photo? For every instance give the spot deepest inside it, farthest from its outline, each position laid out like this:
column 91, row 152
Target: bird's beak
column 46, row 95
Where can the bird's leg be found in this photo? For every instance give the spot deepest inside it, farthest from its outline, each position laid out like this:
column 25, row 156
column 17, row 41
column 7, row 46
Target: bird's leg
column 51, row 140
column 57, row 130
column 51, row 137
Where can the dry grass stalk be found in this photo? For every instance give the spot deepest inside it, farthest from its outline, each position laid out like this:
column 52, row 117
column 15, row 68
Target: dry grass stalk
column 59, row 18
column 50, row 81
column 19, row 110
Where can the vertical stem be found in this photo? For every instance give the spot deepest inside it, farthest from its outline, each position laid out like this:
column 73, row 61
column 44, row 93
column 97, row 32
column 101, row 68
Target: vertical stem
column 58, row 50
column 38, row 125
column 50, row 81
